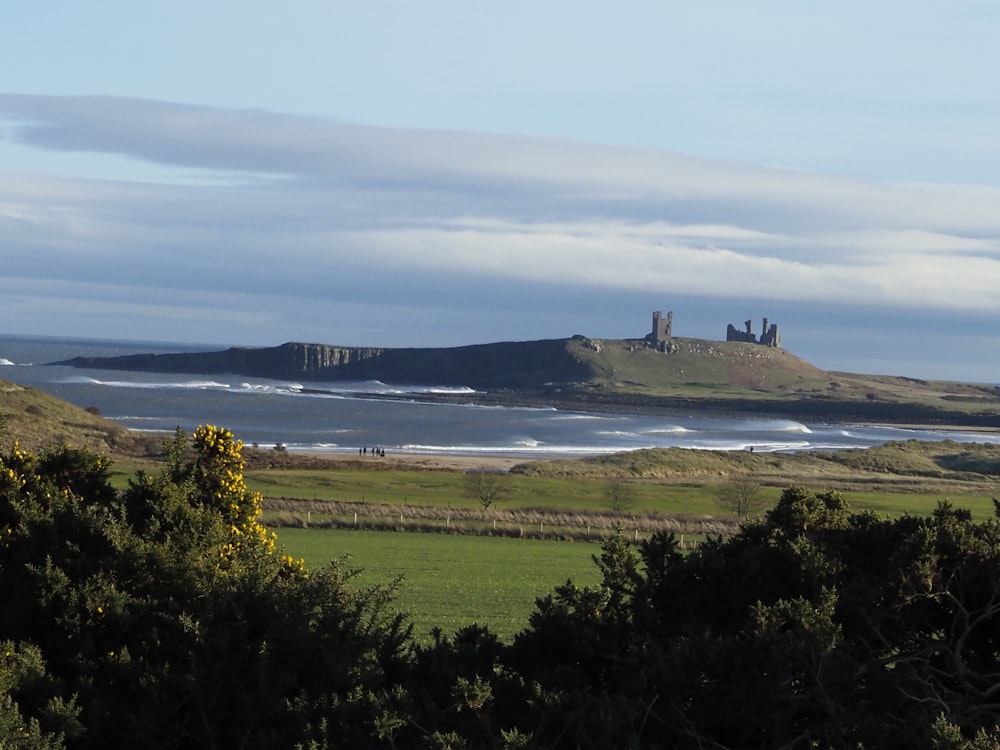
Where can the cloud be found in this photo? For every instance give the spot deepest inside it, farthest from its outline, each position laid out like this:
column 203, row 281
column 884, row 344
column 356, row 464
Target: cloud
column 311, row 208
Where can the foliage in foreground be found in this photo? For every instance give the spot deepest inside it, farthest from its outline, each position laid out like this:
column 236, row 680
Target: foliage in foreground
column 165, row 615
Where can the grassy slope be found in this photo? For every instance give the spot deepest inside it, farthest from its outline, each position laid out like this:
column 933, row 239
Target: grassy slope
column 721, row 367
column 750, row 378
column 38, row 420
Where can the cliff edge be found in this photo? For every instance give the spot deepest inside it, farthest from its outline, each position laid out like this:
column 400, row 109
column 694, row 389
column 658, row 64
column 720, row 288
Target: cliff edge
column 522, row 364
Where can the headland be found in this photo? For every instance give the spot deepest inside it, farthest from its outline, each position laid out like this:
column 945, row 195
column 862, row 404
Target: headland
column 654, row 373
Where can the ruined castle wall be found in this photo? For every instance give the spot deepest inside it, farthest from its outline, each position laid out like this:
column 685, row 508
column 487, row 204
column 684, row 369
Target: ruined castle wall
column 769, row 337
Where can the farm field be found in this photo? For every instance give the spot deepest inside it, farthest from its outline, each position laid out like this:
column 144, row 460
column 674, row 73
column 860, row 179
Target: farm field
column 443, row 489
column 451, row 580
column 435, row 488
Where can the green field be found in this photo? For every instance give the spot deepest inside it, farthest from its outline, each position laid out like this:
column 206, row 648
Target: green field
column 452, row 580
column 436, row 488
column 444, row 490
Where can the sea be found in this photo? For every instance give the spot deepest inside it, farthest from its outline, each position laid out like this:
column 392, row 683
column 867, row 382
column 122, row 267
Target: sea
column 395, row 417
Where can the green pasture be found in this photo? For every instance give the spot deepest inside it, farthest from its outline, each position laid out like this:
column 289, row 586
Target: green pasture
column 451, row 580
column 444, row 489
column 899, row 504
column 433, row 488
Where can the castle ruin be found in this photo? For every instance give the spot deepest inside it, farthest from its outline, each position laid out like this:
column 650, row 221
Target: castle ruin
column 769, row 336
column 661, row 337
column 662, row 334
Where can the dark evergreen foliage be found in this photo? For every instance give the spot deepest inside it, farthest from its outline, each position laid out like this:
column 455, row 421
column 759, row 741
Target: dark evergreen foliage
column 164, row 616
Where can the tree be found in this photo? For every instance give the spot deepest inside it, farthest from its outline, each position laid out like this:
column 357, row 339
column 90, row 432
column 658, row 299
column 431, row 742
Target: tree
column 741, row 497
column 619, row 495
column 487, row 487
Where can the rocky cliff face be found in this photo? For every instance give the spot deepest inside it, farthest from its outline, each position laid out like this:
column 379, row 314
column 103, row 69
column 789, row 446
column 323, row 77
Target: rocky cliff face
column 307, row 358
column 522, row 364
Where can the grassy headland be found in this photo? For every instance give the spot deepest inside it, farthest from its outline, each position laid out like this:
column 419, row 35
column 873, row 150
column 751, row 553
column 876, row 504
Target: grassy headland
column 697, row 375
column 716, row 377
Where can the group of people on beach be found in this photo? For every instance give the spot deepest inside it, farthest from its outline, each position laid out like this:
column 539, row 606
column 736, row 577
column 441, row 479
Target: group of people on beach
column 376, row 451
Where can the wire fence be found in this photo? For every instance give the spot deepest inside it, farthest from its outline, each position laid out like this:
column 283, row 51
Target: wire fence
column 538, row 523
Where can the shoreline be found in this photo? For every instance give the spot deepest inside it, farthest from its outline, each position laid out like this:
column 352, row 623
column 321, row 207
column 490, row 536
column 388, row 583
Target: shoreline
column 847, row 412
column 421, row 461
column 974, row 429
column 500, row 461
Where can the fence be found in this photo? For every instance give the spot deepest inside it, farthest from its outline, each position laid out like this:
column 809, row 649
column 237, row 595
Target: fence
column 518, row 522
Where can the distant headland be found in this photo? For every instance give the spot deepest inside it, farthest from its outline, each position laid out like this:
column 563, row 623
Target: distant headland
column 513, row 364
column 657, row 371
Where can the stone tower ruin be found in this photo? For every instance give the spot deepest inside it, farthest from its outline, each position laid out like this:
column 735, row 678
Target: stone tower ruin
column 769, row 336
column 661, row 337
column 662, row 327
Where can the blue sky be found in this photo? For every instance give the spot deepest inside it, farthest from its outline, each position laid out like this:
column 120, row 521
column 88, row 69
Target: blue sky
column 449, row 173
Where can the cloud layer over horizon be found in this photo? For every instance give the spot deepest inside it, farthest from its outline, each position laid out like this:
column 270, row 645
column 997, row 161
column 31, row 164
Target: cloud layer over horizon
column 255, row 227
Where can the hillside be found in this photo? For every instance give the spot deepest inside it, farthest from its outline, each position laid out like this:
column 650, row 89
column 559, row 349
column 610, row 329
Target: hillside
column 38, row 420
column 619, row 374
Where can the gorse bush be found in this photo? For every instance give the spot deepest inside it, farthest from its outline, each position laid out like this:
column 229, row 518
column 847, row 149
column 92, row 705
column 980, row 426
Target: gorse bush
column 166, row 615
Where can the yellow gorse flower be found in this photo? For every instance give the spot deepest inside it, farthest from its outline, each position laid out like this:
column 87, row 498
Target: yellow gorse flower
column 221, row 459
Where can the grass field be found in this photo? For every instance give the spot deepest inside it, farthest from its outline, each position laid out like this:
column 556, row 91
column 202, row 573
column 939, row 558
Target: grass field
column 443, row 489
column 436, row 488
column 452, row 580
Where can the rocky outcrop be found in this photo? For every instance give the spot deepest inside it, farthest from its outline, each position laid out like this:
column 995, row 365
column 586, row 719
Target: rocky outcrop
column 521, row 364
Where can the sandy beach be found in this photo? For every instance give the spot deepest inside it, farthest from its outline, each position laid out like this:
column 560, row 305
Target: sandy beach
column 501, row 461
column 435, row 461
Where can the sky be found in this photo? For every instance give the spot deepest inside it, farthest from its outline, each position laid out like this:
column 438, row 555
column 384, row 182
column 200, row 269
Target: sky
column 449, row 173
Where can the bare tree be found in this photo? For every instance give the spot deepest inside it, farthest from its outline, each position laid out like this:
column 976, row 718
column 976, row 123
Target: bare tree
column 741, row 496
column 619, row 495
column 487, row 487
